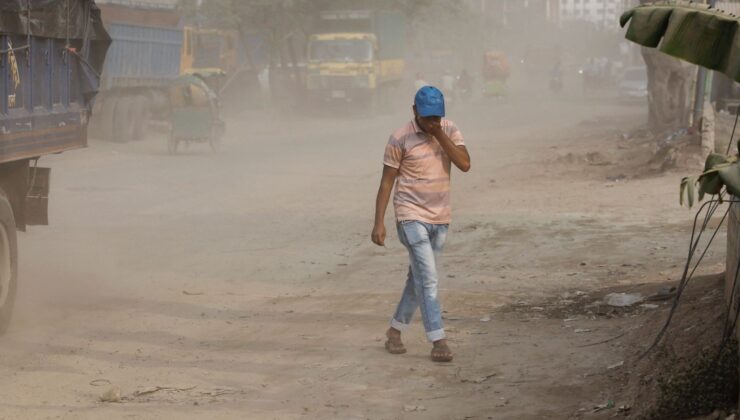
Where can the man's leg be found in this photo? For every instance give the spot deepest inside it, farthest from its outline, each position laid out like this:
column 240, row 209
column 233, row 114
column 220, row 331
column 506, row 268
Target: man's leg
column 418, row 237
column 402, row 318
column 441, row 351
column 407, row 306
column 404, row 312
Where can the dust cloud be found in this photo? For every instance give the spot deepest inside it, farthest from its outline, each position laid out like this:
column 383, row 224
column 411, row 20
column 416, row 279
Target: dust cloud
column 242, row 283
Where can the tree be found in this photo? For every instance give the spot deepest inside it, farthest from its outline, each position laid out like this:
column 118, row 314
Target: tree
column 669, row 91
column 286, row 24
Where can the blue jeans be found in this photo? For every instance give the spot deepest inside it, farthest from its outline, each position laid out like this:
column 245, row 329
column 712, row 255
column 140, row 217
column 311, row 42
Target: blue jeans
column 424, row 242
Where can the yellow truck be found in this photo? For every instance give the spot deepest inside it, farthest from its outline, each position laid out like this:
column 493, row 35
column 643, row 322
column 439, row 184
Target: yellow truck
column 357, row 57
column 211, row 53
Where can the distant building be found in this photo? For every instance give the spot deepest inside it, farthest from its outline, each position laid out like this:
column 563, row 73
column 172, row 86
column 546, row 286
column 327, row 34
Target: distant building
column 506, row 11
column 603, row 13
column 729, row 6
column 143, row 4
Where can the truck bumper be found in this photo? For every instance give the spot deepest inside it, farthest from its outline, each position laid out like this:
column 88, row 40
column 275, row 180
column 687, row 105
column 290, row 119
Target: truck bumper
column 347, row 95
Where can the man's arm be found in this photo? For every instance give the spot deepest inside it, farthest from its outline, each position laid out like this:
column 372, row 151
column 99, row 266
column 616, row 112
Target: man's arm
column 381, row 203
column 458, row 154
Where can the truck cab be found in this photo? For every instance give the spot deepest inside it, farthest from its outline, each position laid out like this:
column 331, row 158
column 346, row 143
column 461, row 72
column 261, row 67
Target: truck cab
column 211, row 53
column 342, row 66
column 356, row 57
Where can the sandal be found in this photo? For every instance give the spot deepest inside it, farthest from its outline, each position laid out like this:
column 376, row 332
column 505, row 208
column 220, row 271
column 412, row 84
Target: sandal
column 394, row 345
column 441, row 353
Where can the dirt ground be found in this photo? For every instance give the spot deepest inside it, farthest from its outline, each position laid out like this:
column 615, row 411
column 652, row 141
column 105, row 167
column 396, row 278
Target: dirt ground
column 244, row 283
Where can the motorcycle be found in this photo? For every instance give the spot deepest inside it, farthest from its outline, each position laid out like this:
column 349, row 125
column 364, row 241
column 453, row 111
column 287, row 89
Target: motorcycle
column 556, row 83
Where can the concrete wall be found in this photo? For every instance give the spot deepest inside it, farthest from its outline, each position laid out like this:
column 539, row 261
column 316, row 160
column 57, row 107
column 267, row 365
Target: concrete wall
column 733, row 254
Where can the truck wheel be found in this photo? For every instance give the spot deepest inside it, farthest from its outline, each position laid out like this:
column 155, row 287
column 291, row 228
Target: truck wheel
column 106, row 117
column 214, row 141
column 123, row 123
column 379, row 101
column 8, row 262
column 140, row 116
column 172, row 144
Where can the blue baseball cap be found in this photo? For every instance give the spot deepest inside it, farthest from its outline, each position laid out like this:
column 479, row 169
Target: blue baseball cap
column 430, row 102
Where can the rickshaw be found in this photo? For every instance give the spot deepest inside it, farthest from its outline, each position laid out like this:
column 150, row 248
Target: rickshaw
column 195, row 114
column 496, row 70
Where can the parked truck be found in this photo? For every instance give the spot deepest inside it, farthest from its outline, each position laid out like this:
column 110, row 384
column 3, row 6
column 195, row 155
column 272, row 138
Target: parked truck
column 213, row 54
column 144, row 58
column 51, row 55
column 356, row 56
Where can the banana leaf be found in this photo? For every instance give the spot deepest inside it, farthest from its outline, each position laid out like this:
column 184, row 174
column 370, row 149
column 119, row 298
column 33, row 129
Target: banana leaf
column 730, row 176
column 693, row 32
column 710, row 182
column 719, row 171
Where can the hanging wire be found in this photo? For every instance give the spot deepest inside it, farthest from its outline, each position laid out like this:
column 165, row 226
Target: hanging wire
column 732, row 136
column 687, row 276
column 693, row 244
column 28, row 23
column 66, row 45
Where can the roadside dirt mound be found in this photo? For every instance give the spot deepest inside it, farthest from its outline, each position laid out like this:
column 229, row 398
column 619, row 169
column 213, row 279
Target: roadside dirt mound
column 591, row 158
column 680, row 153
column 683, row 377
column 613, row 155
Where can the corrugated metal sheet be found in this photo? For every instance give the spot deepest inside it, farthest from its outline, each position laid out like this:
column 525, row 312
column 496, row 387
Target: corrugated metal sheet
column 144, row 4
column 142, row 56
column 729, row 6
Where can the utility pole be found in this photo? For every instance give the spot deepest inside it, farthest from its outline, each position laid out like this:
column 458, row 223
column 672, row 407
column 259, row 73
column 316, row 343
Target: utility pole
column 701, row 84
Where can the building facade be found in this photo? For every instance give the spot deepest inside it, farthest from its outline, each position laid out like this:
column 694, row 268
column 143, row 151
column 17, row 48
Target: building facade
column 603, row 13
column 506, row 11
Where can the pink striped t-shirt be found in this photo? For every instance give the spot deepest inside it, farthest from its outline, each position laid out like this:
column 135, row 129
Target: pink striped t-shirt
column 423, row 185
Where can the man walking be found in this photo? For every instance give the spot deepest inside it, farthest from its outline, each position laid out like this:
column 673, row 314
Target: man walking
column 417, row 161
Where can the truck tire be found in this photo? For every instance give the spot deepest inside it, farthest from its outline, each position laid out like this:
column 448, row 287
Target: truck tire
column 8, row 262
column 215, row 139
column 140, row 116
column 123, row 124
column 106, row 117
column 172, row 144
column 378, row 102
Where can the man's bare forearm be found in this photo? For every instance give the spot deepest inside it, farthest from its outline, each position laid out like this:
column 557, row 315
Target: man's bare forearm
column 458, row 154
column 381, row 202
column 384, row 192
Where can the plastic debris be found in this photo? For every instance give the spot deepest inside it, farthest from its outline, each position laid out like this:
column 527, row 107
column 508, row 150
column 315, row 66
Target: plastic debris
column 112, row 395
column 623, row 299
column 664, row 293
column 606, row 406
column 616, row 365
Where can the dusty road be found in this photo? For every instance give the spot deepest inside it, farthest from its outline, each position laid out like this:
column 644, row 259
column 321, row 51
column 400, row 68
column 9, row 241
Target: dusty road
column 245, row 282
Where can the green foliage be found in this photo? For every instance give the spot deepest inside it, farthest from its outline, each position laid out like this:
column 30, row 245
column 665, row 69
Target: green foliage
column 705, row 385
column 719, row 171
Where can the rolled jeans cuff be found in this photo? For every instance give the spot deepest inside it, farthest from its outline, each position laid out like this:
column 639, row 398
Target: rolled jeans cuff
column 436, row 335
column 400, row 326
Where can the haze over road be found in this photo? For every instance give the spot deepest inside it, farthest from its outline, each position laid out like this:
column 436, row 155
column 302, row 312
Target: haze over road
column 249, row 274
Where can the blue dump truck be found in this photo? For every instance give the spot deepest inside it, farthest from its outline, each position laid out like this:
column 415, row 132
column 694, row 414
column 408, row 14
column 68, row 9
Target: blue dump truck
column 143, row 60
column 51, row 55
